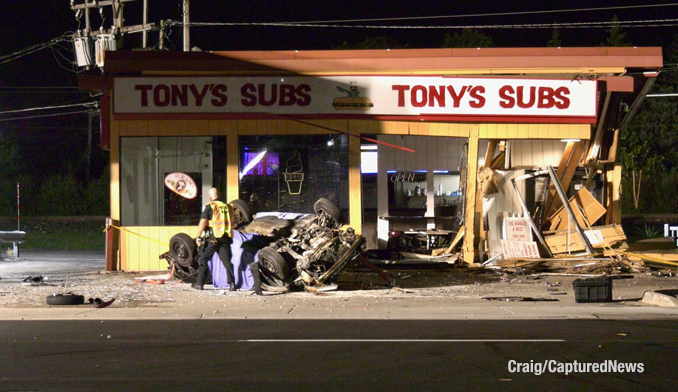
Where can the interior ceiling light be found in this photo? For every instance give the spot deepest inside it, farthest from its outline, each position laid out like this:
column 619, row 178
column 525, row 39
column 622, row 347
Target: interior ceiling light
column 252, row 163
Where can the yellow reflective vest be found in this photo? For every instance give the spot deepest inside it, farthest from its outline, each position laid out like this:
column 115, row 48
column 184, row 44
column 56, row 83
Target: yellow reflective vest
column 220, row 224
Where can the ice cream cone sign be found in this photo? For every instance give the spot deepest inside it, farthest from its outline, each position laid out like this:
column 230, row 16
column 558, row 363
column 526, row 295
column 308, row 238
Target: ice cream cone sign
column 294, row 175
column 181, row 184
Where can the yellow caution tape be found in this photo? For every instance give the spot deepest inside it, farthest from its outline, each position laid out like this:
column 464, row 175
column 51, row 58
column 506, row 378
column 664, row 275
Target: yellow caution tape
column 652, row 259
column 137, row 234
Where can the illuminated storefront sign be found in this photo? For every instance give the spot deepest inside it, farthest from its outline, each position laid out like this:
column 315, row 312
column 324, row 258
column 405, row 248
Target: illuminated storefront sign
column 363, row 95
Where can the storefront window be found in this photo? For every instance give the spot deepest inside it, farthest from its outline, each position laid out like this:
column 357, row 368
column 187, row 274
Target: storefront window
column 290, row 173
column 162, row 179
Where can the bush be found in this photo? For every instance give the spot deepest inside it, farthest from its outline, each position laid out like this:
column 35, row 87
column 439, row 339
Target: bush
column 60, row 195
column 658, row 193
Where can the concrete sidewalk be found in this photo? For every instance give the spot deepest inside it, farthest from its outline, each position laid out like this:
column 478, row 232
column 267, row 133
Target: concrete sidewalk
column 451, row 294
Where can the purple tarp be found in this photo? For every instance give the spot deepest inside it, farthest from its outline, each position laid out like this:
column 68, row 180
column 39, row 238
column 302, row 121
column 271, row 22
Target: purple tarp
column 242, row 256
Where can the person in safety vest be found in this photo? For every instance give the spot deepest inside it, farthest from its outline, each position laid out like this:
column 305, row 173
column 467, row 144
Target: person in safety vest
column 215, row 234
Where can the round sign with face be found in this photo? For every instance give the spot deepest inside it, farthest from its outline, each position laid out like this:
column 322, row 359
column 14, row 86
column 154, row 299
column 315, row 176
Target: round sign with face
column 181, row 184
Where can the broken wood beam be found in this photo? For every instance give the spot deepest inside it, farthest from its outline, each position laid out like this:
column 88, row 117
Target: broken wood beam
column 565, row 172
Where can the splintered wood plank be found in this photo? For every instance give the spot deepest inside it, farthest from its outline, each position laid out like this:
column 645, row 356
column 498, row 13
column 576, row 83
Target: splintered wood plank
column 566, row 168
column 489, row 154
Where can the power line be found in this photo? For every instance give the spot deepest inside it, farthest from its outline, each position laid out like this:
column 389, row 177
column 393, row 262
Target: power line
column 5, row 127
column 39, row 88
column 32, row 49
column 606, row 24
column 86, row 104
column 45, row 115
column 493, row 14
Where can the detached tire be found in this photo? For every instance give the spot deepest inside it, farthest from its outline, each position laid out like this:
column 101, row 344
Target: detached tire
column 65, row 299
column 330, row 209
column 273, row 266
column 242, row 213
column 183, row 249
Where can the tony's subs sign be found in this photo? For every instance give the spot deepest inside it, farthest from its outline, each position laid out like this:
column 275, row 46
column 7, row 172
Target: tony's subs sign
column 365, row 95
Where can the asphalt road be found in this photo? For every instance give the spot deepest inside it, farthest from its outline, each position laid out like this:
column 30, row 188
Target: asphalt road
column 347, row 355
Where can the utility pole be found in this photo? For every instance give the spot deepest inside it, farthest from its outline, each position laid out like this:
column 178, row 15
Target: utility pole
column 90, row 115
column 187, row 35
column 144, row 20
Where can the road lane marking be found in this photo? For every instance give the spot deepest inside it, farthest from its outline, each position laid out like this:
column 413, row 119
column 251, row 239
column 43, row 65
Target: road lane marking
column 403, row 340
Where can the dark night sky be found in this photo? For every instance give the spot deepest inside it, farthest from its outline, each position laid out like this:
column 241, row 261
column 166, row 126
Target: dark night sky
column 30, row 23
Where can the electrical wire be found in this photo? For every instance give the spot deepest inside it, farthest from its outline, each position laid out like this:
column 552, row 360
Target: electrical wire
column 494, row 14
column 607, row 24
column 45, row 115
column 86, row 104
column 73, row 68
column 32, row 49
column 332, row 24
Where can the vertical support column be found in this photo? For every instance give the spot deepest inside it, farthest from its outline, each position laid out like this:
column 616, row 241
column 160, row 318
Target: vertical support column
column 471, row 226
column 112, row 238
column 614, row 210
column 382, row 199
column 430, row 199
column 112, row 235
column 355, row 202
column 115, row 170
column 232, row 166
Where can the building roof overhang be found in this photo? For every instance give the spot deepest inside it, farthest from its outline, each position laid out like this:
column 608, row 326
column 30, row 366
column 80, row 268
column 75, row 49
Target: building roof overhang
column 625, row 71
column 452, row 61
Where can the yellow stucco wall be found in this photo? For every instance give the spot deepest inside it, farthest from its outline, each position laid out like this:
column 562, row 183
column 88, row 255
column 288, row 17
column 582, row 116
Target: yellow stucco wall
column 140, row 247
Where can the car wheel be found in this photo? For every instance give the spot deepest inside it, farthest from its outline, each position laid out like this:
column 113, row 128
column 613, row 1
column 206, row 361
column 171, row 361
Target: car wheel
column 65, row 299
column 183, row 249
column 273, row 267
column 189, row 274
column 242, row 213
column 330, row 209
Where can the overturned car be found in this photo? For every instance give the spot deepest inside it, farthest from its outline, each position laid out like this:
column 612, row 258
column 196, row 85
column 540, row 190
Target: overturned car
column 307, row 251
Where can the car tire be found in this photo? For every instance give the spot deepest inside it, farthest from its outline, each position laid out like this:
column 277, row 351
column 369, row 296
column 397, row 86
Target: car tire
column 242, row 213
column 65, row 299
column 331, row 209
column 183, row 249
column 273, row 267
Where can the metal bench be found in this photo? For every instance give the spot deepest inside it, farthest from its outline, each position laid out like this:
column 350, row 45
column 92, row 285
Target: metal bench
column 15, row 238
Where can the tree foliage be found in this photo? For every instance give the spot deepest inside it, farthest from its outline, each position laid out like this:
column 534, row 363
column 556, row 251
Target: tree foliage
column 9, row 162
column 650, row 145
column 616, row 37
column 380, row 42
column 469, row 38
column 555, row 41
column 58, row 193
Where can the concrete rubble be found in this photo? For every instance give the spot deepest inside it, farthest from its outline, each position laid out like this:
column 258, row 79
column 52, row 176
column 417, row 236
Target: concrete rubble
column 421, row 293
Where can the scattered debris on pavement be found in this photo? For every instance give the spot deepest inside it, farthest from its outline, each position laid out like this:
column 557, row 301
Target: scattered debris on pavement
column 99, row 303
column 520, row 298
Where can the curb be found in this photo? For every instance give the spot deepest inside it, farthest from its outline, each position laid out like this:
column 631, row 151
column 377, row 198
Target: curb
column 662, row 298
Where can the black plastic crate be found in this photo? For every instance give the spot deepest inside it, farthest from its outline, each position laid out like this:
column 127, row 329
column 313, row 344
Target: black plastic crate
column 592, row 290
